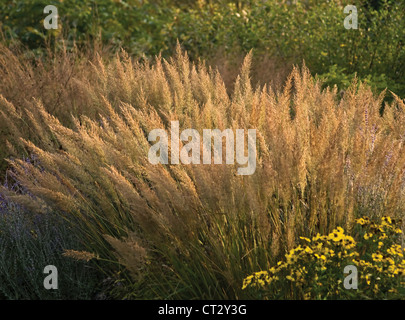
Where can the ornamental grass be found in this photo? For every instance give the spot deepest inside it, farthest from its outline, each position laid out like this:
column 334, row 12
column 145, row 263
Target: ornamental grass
column 195, row 231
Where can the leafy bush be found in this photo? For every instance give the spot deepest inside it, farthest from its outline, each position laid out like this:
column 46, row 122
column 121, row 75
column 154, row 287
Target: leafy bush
column 321, row 161
column 312, row 31
column 314, row 269
column 339, row 77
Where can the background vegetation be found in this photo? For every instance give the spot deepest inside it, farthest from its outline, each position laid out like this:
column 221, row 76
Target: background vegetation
column 289, row 32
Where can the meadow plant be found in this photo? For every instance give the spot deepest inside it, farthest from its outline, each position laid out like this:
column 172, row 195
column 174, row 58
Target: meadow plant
column 314, row 269
column 195, row 230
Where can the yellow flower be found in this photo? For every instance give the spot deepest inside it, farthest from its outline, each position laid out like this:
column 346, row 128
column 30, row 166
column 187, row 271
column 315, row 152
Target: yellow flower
column 349, row 242
column 291, row 259
column 261, row 273
column 377, row 257
column 261, row 282
column 290, row 278
column 368, row 235
column 317, row 237
column 362, row 221
column 368, row 276
column 340, row 230
column 386, row 220
column 362, row 263
column 247, row 281
column 393, row 270
column 395, row 250
column 306, row 239
column 335, row 236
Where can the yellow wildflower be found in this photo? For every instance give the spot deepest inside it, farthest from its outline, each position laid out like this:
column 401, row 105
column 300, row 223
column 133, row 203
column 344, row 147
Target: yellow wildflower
column 368, row 235
column 377, row 257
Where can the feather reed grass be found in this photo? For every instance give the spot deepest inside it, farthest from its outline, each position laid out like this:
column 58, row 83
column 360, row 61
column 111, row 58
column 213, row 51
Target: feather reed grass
column 195, row 231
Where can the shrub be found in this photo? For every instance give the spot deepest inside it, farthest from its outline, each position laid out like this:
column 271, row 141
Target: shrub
column 292, row 32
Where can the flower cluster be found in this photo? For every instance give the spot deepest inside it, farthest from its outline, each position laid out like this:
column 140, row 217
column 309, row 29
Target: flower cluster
column 382, row 262
column 314, row 269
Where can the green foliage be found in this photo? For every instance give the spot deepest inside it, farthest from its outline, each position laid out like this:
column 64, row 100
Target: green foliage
column 312, row 31
column 339, row 77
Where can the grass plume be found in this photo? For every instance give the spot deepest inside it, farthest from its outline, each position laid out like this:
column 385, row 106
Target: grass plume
column 194, row 231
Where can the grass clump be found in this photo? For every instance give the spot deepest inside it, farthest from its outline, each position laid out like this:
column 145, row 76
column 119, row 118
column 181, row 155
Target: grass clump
column 194, row 231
